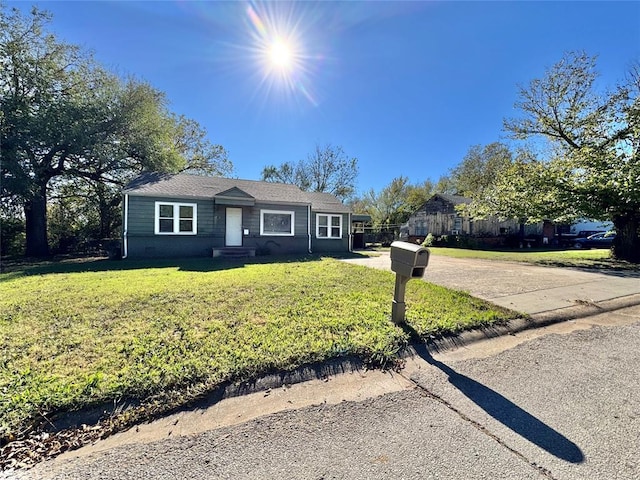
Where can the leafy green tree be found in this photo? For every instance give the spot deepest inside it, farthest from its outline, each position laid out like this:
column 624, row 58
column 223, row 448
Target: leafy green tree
column 394, row 204
column 594, row 168
column 417, row 195
column 511, row 195
column 11, row 228
column 286, row 173
column 389, row 207
column 326, row 169
column 445, row 185
column 479, row 169
column 64, row 118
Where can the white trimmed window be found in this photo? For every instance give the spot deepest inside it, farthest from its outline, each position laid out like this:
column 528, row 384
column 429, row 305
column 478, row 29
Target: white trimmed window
column 176, row 218
column 277, row 222
column 328, row 226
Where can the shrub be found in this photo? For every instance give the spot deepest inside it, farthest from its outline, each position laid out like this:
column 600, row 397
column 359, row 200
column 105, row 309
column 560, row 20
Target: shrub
column 12, row 236
column 429, row 240
column 465, row 241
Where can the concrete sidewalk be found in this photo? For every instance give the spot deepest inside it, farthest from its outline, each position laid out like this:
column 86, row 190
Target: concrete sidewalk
column 522, row 287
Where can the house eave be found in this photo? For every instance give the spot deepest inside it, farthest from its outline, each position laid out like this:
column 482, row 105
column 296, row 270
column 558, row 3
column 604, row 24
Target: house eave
column 165, row 195
column 245, row 202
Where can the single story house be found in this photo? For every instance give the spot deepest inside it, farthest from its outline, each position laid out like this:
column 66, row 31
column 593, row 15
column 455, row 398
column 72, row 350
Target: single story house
column 169, row 215
column 439, row 216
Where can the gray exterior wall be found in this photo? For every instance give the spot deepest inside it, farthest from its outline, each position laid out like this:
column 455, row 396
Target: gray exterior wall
column 271, row 244
column 211, row 225
column 321, row 245
column 143, row 242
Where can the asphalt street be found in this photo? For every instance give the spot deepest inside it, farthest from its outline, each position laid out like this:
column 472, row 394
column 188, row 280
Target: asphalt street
column 559, row 402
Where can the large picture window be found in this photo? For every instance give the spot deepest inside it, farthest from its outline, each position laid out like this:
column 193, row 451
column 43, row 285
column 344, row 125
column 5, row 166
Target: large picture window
column 176, row 218
column 276, row 222
column 328, row 226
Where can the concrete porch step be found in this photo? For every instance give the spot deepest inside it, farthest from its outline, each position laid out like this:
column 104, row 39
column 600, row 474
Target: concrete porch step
column 234, row 252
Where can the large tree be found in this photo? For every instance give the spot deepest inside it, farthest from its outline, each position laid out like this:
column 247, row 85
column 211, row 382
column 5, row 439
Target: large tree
column 417, row 196
column 523, row 190
column 593, row 165
column 64, row 118
column 388, row 208
column 326, row 169
column 394, row 204
column 479, row 169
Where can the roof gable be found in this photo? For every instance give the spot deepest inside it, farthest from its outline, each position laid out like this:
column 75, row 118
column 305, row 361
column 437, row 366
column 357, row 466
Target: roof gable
column 453, row 199
column 234, row 192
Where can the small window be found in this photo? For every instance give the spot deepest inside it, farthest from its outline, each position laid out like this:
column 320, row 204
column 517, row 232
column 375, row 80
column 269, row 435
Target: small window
column 176, row 218
column 276, row 222
column 328, row 226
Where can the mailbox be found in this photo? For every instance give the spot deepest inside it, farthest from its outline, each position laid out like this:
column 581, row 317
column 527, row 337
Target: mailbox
column 409, row 260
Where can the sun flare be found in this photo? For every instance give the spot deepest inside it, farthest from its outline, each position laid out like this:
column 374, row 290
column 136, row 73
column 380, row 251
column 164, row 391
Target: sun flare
column 279, row 50
column 280, row 55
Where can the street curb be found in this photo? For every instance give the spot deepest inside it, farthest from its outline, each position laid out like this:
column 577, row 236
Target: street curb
column 351, row 364
column 538, row 320
column 304, row 373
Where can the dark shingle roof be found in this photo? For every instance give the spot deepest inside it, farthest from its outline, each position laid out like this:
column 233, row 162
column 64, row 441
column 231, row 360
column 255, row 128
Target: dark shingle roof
column 184, row 185
column 454, row 199
column 193, row 186
column 326, row 202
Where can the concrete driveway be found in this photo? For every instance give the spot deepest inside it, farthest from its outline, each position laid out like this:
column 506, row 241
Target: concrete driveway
column 520, row 286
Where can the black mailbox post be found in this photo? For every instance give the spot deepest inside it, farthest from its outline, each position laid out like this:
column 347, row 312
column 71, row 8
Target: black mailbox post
column 407, row 261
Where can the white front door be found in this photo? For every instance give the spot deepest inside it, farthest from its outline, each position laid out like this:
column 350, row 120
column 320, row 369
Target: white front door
column 233, row 236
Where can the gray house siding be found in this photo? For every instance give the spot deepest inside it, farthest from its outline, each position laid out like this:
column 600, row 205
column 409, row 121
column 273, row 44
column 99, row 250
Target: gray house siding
column 274, row 244
column 153, row 230
column 211, row 229
column 321, row 245
column 143, row 242
column 147, row 246
column 142, row 214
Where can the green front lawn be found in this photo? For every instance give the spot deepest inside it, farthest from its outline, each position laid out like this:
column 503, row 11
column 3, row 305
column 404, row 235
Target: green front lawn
column 79, row 334
column 596, row 258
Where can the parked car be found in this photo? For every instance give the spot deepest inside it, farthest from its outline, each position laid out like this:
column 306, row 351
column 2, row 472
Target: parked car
column 598, row 240
column 569, row 239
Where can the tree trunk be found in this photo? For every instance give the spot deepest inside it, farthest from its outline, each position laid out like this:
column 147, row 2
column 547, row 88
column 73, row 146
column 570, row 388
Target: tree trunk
column 626, row 246
column 35, row 212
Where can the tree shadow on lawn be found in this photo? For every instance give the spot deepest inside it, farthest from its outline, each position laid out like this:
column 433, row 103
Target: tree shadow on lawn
column 508, row 413
column 13, row 269
column 612, row 268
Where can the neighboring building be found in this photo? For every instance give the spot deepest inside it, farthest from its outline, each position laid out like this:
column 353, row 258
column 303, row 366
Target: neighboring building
column 439, row 216
column 187, row 215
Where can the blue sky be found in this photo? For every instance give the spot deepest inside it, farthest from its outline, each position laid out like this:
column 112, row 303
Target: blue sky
column 406, row 87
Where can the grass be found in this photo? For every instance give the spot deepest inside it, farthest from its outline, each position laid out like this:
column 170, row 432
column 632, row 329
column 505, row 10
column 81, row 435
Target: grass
column 79, row 334
column 595, row 258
